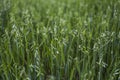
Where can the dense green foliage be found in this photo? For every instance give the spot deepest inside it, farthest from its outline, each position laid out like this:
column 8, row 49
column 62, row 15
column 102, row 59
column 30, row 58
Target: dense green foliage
column 59, row 39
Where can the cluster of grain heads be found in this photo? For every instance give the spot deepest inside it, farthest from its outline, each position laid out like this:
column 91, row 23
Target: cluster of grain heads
column 59, row 40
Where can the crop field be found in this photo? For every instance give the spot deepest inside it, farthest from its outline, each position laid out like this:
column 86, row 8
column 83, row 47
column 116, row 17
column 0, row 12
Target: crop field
column 59, row 39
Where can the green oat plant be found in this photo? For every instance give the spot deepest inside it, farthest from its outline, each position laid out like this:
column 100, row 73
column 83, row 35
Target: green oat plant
column 59, row 39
